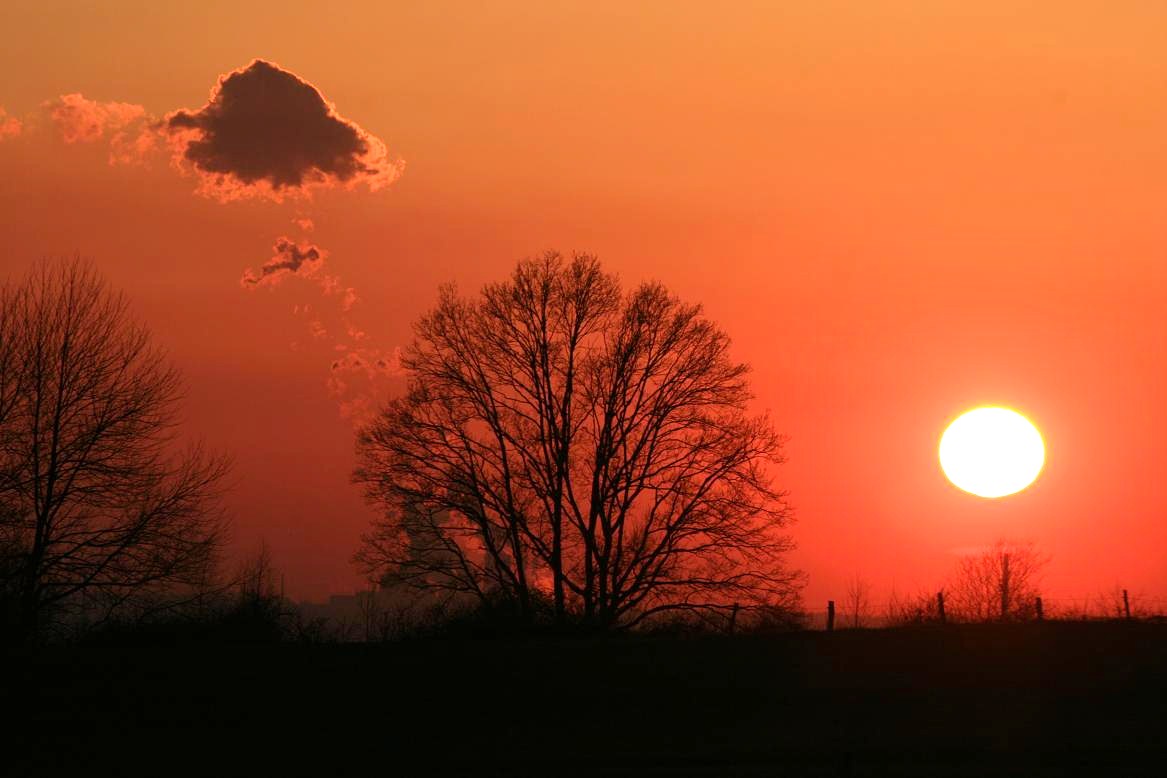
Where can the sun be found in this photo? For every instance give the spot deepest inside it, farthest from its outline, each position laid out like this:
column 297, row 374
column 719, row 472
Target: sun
column 992, row 452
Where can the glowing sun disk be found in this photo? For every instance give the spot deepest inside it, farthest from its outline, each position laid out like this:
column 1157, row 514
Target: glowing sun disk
column 992, row 452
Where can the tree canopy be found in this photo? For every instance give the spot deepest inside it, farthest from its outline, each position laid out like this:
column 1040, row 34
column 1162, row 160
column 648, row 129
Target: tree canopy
column 567, row 446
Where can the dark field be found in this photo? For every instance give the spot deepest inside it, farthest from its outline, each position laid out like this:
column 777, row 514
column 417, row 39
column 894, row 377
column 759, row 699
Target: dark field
column 1037, row 699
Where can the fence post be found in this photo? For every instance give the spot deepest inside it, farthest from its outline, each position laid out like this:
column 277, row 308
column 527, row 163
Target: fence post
column 940, row 606
column 830, row 615
column 1037, row 608
column 1126, row 604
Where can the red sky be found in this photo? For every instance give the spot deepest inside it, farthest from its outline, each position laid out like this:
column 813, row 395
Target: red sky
column 898, row 210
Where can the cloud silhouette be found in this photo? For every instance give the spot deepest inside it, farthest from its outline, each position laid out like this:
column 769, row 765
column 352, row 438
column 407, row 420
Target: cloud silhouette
column 10, row 126
column 267, row 132
column 289, row 258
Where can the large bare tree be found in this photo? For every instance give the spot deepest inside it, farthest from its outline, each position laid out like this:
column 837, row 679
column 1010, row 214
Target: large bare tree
column 97, row 504
column 567, row 444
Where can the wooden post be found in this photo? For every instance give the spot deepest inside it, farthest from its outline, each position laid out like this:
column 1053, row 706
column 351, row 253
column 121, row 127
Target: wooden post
column 830, row 615
column 1037, row 609
column 1126, row 604
column 940, row 606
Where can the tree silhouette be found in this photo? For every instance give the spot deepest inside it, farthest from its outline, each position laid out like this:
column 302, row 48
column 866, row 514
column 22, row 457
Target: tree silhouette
column 96, row 509
column 857, row 604
column 563, row 443
column 999, row 583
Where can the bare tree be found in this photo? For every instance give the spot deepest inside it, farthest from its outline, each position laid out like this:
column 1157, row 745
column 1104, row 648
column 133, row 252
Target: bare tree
column 96, row 506
column 1000, row 583
column 1115, row 602
column 857, row 605
column 257, row 584
column 12, row 378
column 562, row 442
column 923, row 607
column 258, row 609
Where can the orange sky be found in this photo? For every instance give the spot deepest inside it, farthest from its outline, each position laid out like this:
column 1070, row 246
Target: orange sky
column 898, row 210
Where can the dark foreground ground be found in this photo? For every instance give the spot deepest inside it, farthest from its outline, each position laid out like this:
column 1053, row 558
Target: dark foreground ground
column 1038, row 699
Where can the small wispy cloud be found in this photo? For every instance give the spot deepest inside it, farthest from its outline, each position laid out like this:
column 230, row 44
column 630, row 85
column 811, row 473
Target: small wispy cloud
column 289, row 258
column 127, row 127
column 10, row 126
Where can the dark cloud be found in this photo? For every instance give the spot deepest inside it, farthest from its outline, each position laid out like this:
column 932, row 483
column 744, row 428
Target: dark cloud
column 266, row 131
column 289, row 257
